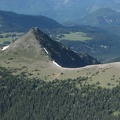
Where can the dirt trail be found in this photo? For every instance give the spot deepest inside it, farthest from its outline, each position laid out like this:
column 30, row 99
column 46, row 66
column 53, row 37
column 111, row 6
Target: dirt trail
column 56, row 76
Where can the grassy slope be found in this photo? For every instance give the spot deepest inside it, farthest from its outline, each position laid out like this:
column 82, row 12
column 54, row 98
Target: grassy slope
column 104, row 75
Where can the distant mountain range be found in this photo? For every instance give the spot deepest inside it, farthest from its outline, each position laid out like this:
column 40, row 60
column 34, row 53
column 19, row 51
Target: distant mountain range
column 105, row 18
column 100, row 17
column 10, row 21
column 60, row 10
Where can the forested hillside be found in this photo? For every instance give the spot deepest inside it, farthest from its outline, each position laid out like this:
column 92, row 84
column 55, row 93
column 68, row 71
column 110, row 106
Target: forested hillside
column 10, row 21
column 25, row 99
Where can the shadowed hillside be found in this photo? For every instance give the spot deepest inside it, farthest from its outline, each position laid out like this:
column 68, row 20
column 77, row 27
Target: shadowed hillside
column 10, row 21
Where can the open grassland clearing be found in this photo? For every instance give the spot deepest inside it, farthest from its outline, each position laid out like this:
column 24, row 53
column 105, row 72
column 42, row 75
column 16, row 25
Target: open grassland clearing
column 9, row 37
column 76, row 36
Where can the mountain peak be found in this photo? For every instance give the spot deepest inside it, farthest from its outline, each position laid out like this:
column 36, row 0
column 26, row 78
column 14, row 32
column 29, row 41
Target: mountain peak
column 37, row 45
column 35, row 30
column 39, row 35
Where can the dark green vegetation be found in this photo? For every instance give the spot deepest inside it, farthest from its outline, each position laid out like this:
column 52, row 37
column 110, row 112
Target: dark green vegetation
column 101, row 44
column 10, row 21
column 25, row 99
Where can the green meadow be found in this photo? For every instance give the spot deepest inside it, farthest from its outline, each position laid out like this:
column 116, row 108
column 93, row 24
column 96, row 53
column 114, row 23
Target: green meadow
column 77, row 36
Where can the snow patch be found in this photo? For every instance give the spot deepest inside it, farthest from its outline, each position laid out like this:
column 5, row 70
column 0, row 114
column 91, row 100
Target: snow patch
column 45, row 50
column 56, row 64
column 103, row 46
column 4, row 48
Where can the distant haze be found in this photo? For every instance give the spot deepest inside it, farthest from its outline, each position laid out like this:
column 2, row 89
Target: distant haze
column 60, row 10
